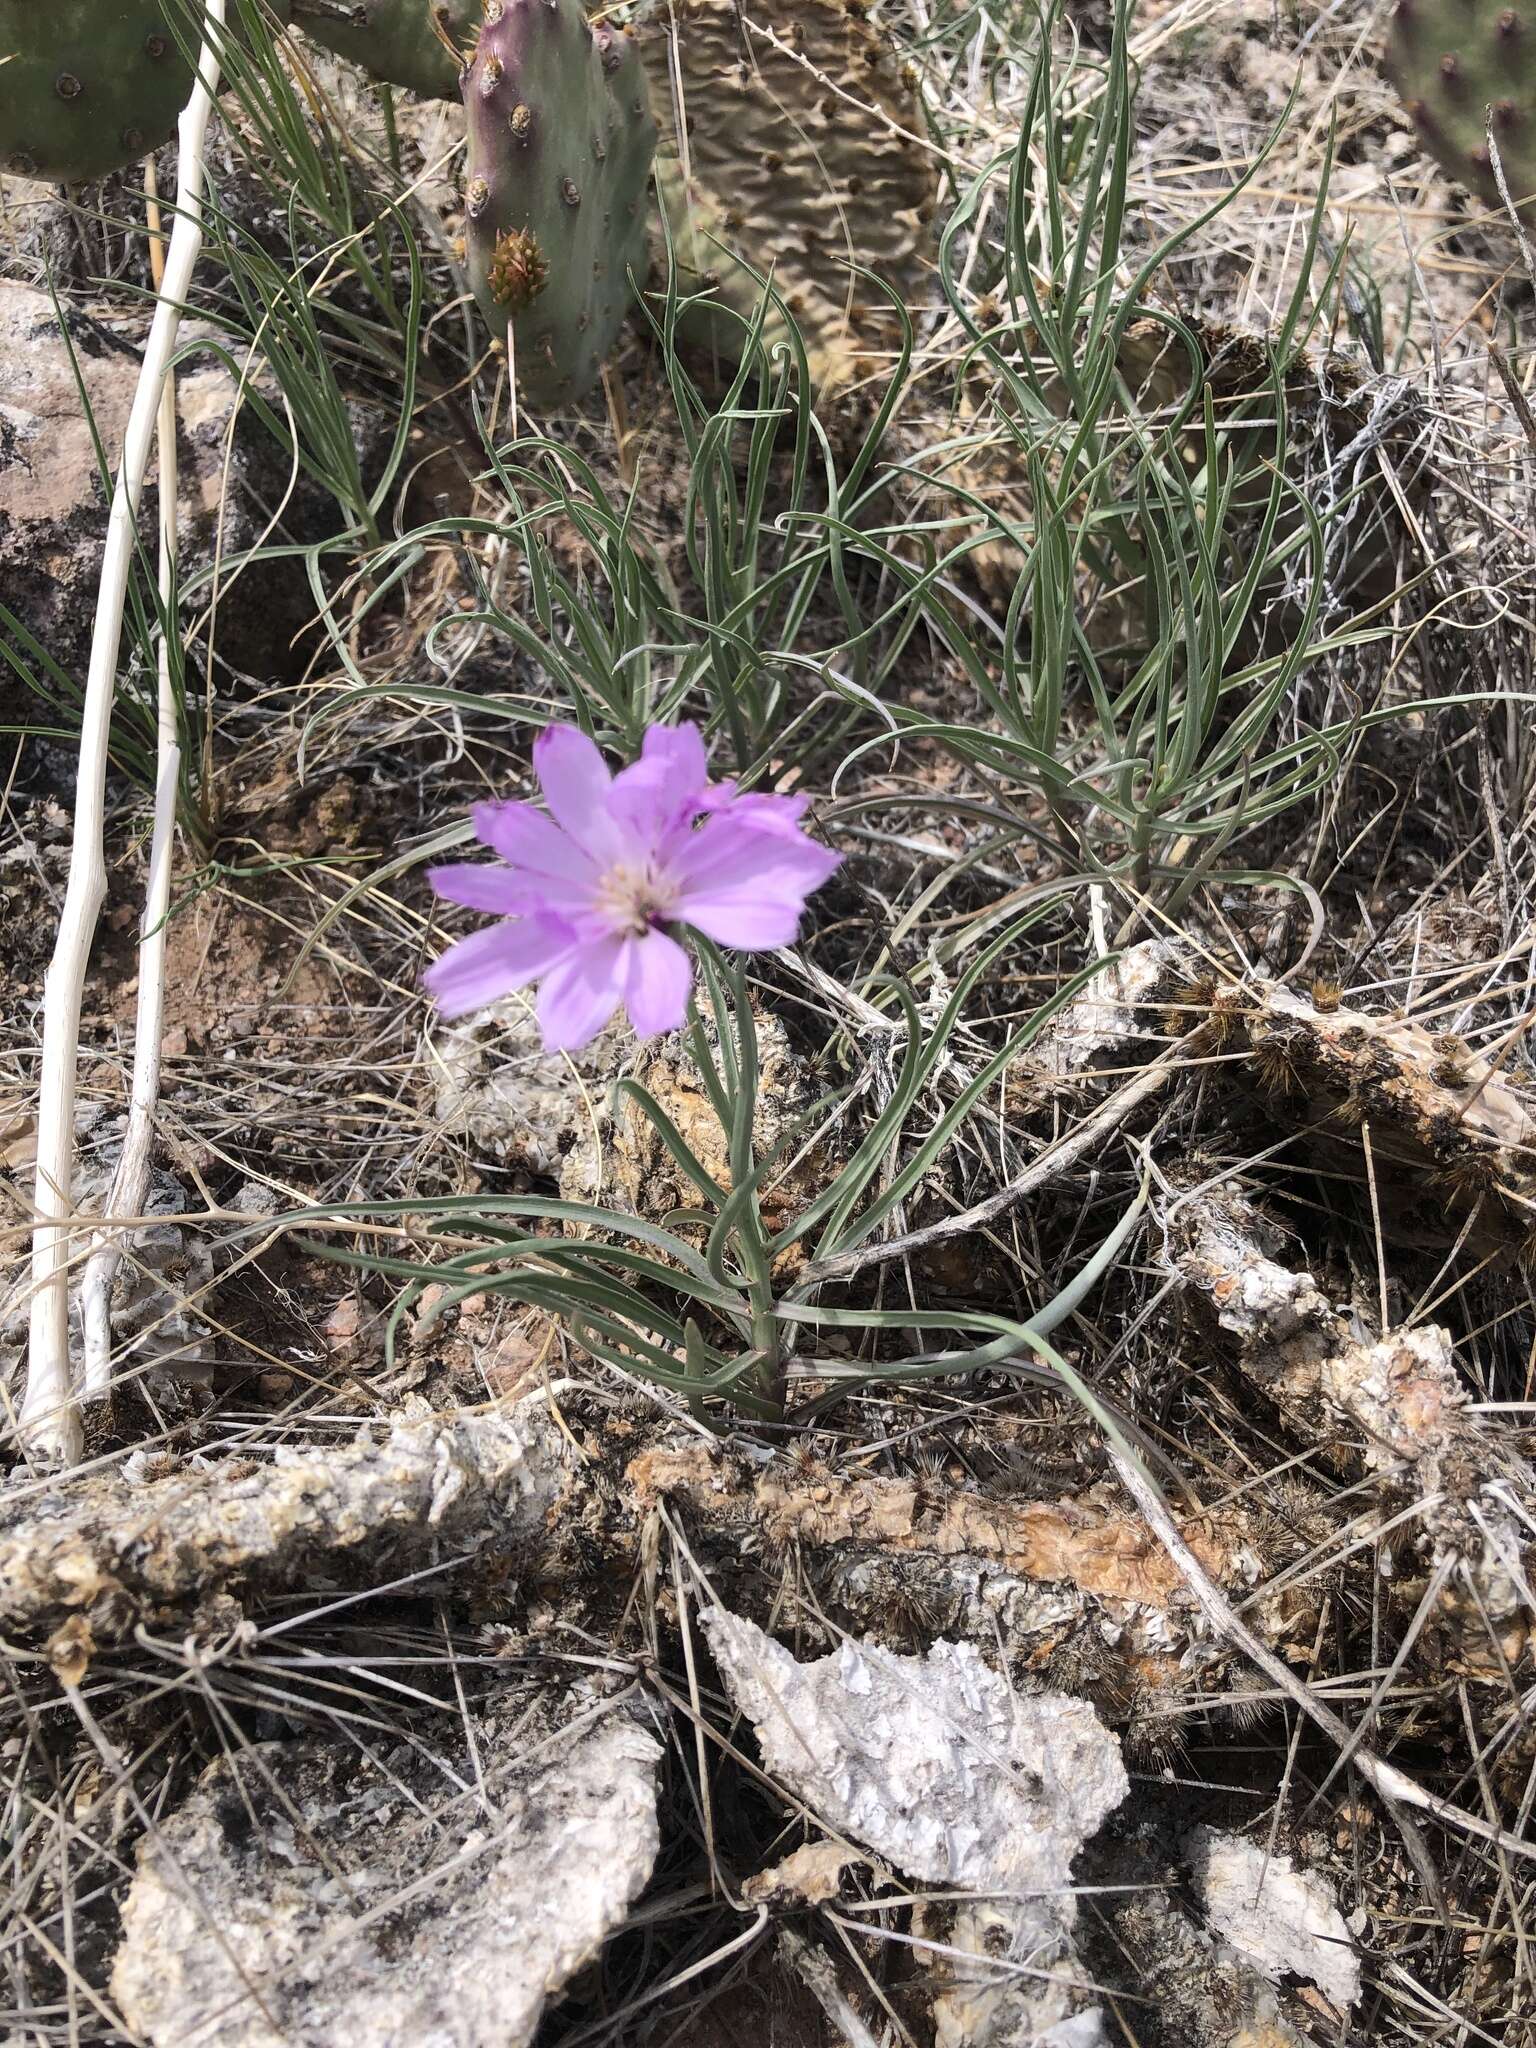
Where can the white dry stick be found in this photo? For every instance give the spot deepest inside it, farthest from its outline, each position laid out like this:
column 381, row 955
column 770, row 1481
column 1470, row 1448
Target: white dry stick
column 1097, row 900
column 49, row 1421
column 126, row 1194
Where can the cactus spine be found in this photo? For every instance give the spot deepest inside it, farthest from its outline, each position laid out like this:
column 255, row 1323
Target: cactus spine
column 560, row 146
column 1464, row 67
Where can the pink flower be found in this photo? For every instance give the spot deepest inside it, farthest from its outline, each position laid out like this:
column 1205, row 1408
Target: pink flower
column 585, row 895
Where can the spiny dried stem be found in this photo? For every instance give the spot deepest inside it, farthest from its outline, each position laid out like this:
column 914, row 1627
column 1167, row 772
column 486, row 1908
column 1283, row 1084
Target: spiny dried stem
column 108, row 1553
column 1390, row 1405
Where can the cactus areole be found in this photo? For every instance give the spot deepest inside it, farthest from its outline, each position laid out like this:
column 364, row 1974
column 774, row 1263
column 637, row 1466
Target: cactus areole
column 1466, row 69
column 560, row 146
column 88, row 86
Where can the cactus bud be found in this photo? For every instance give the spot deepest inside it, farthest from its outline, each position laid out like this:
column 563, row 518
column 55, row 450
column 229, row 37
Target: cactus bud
column 518, row 271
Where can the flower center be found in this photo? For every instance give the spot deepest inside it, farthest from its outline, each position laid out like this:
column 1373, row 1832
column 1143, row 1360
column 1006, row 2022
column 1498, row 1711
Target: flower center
column 631, row 899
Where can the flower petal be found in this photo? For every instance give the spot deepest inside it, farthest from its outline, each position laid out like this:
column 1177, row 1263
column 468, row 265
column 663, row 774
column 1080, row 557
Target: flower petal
column 664, row 788
column 579, row 996
column 770, row 813
column 577, row 788
column 492, row 963
column 482, row 885
column 750, row 922
column 657, row 977
column 526, row 838
column 746, row 887
column 677, row 752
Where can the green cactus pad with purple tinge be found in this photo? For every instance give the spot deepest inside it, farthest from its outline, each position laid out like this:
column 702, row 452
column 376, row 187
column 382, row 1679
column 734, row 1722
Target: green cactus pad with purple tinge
column 1465, row 68
column 560, row 146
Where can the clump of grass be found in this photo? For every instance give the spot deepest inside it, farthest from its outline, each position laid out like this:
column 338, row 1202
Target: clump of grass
column 717, row 1316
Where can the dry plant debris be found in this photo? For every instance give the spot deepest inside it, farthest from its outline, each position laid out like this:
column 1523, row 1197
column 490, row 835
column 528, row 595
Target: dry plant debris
column 1442, row 1118
column 1075, row 1583
column 507, row 1100
column 116, row 1546
column 1398, row 1395
column 624, row 1159
column 1392, row 1406
column 1105, row 1022
column 1285, row 1921
column 1444, row 1109
column 950, row 1777
column 302, row 1896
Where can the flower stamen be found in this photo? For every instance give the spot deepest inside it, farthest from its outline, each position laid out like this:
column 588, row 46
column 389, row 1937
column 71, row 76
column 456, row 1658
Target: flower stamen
column 634, row 899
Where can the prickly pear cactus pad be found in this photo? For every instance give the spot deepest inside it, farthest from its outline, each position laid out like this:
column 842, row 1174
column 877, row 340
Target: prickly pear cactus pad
column 92, row 85
column 1461, row 66
column 804, row 157
column 560, row 146
column 399, row 41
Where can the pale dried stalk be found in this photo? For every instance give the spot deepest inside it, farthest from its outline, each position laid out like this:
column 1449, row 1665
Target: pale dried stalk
column 126, row 1194
column 49, row 1424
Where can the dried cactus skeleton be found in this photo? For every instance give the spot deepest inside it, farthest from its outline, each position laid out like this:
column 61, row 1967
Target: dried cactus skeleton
column 223, row 1942
column 792, row 151
column 1390, row 1405
column 1446, row 1125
